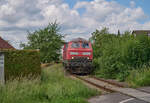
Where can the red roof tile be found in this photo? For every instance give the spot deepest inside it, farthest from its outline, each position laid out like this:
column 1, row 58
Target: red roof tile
column 5, row 45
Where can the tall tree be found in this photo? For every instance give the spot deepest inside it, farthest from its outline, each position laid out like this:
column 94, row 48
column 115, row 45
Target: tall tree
column 48, row 41
column 119, row 33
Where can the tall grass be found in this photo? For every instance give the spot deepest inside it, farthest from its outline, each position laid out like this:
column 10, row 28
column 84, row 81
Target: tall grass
column 53, row 87
column 24, row 91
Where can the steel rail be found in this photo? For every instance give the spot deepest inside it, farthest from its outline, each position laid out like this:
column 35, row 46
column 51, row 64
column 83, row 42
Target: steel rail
column 116, row 84
column 109, row 82
column 96, row 85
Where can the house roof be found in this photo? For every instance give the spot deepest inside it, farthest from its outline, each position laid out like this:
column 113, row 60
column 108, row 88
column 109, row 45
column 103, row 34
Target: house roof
column 141, row 32
column 5, row 45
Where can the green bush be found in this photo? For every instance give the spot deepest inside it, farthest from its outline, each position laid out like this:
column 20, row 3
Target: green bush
column 21, row 63
column 48, row 41
column 115, row 55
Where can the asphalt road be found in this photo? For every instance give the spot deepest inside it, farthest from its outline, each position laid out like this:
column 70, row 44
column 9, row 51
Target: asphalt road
column 114, row 98
column 145, row 89
column 117, row 98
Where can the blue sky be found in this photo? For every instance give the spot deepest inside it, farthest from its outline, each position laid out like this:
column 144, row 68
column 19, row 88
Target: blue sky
column 77, row 18
column 144, row 4
column 141, row 3
column 73, row 2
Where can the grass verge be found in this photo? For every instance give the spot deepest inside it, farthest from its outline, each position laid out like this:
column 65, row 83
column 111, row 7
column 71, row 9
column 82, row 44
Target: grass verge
column 139, row 78
column 52, row 87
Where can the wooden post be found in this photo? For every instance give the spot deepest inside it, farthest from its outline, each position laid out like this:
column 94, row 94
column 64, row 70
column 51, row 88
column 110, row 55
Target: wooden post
column 2, row 79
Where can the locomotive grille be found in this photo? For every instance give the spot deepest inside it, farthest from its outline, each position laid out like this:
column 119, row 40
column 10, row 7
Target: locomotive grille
column 80, row 65
column 80, row 59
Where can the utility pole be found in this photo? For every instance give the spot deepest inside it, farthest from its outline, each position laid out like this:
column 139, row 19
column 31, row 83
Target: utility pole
column 2, row 78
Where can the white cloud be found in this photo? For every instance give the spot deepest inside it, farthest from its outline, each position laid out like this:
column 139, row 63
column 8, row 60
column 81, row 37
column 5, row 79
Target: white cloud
column 146, row 26
column 132, row 4
column 18, row 16
column 113, row 15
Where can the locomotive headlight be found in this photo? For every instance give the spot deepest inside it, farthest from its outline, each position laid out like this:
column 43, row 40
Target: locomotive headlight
column 74, row 53
column 86, row 53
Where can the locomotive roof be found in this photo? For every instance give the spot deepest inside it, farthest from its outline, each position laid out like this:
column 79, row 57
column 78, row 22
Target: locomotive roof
column 79, row 40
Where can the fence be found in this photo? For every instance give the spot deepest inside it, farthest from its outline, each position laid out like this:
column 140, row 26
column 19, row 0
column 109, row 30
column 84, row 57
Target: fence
column 2, row 68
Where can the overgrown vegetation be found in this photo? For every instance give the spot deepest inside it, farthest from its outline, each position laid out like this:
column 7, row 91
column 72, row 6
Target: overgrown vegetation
column 21, row 63
column 116, row 55
column 53, row 87
column 48, row 40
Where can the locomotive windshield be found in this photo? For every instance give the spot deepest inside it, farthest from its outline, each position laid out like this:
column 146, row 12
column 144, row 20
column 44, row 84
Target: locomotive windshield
column 75, row 45
column 85, row 45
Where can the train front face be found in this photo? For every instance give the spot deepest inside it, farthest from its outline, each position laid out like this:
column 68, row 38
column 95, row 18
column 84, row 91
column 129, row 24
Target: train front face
column 80, row 55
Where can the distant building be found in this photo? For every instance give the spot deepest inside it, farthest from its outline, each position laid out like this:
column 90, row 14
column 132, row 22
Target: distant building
column 141, row 32
column 5, row 45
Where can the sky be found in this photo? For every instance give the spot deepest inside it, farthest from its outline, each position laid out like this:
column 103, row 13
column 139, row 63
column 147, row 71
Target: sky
column 77, row 18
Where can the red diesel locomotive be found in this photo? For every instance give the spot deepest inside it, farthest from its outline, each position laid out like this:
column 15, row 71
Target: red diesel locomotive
column 77, row 56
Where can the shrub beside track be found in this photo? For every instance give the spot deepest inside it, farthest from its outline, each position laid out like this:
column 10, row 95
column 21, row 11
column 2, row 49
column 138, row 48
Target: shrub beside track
column 116, row 55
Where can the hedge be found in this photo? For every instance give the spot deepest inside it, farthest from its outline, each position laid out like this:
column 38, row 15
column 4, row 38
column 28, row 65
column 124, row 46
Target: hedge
column 21, row 63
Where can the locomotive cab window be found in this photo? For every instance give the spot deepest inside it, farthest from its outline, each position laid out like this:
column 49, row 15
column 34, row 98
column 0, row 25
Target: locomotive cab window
column 65, row 46
column 85, row 45
column 75, row 45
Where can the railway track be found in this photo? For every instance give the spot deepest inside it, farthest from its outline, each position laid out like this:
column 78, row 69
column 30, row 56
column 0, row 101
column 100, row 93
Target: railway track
column 103, row 85
column 94, row 84
column 109, row 86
